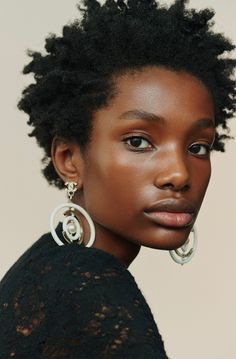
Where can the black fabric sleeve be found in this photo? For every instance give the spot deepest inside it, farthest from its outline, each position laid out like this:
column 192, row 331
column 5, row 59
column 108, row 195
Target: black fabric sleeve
column 75, row 303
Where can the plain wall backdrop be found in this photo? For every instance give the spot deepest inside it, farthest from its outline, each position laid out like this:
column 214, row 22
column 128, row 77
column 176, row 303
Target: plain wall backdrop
column 194, row 305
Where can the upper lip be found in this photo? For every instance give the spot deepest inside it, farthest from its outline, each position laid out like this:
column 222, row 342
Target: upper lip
column 172, row 205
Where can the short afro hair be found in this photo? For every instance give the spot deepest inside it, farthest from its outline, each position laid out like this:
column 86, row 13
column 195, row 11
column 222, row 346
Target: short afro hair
column 74, row 78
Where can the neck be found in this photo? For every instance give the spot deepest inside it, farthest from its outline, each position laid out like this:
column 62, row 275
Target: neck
column 123, row 249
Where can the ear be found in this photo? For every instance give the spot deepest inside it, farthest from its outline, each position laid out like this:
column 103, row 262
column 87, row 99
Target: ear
column 68, row 161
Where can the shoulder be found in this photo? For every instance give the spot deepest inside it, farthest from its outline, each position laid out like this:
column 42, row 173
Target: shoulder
column 45, row 256
column 63, row 284
column 50, row 282
column 46, row 262
column 82, row 295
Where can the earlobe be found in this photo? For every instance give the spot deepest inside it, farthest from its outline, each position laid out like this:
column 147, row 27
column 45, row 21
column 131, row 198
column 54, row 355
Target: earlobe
column 67, row 160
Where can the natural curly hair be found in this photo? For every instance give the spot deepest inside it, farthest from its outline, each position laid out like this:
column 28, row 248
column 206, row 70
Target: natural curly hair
column 75, row 77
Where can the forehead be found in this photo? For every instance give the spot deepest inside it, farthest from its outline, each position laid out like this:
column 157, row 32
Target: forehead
column 158, row 89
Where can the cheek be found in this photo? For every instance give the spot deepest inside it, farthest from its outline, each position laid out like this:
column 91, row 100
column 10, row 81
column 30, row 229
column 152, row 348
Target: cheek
column 113, row 184
column 201, row 177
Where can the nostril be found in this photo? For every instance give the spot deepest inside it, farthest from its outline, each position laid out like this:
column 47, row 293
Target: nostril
column 174, row 187
column 168, row 185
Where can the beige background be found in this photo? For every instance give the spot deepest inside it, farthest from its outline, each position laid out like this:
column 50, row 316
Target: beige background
column 194, row 305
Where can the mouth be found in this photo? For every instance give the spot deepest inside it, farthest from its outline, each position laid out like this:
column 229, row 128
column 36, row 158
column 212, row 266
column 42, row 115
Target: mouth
column 172, row 213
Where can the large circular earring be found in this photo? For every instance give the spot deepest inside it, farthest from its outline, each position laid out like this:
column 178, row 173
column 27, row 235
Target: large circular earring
column 186, row 252
column 72, row 229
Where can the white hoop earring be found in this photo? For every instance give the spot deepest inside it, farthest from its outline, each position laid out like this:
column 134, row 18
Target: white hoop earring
column 185, row 253
column 71, row 225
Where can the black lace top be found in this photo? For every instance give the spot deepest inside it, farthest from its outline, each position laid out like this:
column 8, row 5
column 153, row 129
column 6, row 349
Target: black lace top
column 72, row 302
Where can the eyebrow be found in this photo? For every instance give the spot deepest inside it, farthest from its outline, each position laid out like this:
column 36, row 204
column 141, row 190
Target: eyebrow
column 205, row 123
column 142, row 115
column 148, row 116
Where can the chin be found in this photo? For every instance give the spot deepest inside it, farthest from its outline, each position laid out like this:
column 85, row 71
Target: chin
column 168, row 238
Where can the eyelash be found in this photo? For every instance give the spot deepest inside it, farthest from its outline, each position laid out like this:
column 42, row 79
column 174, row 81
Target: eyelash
column 136, row 149
column 205, row 146
column 151, row 146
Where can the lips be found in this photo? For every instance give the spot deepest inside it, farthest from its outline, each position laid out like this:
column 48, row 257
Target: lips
column 172, row 213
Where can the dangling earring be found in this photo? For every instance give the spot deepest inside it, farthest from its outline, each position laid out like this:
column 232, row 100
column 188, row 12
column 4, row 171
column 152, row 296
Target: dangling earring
column 184, row 254
column 72, row 226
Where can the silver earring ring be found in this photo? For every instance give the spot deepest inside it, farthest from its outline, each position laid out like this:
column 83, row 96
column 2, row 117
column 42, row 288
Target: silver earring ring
column 65, row 225
column 185, row 253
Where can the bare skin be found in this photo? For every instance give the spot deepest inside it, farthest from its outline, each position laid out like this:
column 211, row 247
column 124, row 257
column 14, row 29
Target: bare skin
column 150, row 144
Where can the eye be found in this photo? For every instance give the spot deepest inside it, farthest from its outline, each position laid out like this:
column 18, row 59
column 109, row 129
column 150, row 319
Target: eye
column 138, row 143
column 200, row 149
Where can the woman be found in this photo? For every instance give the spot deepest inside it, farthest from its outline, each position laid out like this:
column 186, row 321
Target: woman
column 127, row 106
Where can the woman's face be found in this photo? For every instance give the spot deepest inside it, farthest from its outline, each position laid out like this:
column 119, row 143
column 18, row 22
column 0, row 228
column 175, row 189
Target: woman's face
column 147, row 166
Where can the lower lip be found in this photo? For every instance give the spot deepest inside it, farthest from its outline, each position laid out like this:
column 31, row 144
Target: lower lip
column 171, row 219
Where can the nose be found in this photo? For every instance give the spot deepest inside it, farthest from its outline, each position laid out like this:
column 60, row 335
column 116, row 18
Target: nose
column 174, row 173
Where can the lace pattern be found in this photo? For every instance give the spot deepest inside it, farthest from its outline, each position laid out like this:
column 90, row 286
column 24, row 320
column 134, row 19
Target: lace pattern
column 72, row 302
